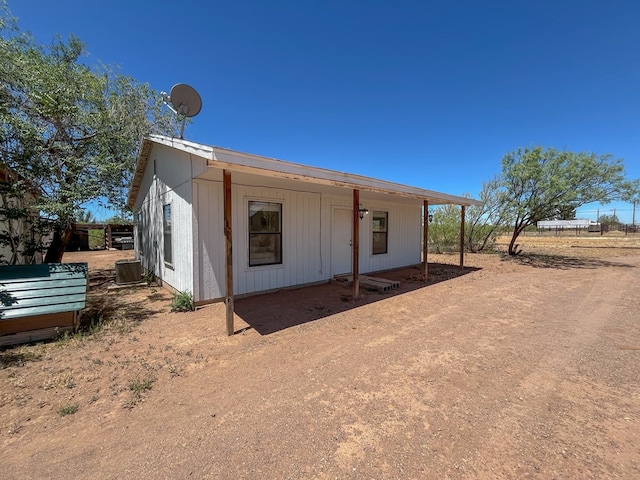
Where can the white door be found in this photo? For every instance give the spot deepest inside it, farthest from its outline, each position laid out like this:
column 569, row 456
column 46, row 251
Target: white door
column 341, row 241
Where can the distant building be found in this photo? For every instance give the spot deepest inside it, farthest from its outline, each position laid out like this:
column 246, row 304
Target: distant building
column 578, row 223
column 110, row 236
column 17, row 234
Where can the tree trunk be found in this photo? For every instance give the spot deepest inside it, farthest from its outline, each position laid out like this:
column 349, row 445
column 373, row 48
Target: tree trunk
column 58, row 244
column 513, row 246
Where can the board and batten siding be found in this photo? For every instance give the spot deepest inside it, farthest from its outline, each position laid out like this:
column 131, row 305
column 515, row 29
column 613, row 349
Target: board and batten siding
column 300, row 240
column 167, row 180
column 209, row 241
column 403, row 237
column 306, row 238
column 178, row 274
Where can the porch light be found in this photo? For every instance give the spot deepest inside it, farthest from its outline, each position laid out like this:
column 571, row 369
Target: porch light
column 430, row 217
column 362, row 211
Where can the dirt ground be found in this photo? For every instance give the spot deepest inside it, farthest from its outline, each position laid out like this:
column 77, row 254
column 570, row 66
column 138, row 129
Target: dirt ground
column 511, row 368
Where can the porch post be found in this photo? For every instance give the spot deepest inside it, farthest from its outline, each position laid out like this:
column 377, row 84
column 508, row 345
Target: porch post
column 228, row 297
column 425, row 240
column 109, row 237
column 462, row 236
column 355, row 242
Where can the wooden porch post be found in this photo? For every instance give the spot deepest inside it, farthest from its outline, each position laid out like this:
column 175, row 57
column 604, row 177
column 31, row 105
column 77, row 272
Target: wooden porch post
column 425, row 241
column 228, row 300
column 109, row 242
column 462, row 236
column 355, row 242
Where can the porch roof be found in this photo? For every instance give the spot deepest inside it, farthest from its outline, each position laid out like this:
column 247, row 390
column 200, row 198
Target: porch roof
column 223, row 158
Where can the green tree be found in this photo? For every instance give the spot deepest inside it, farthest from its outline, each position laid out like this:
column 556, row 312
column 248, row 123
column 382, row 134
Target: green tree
column 633, row 197
column 444, row 230
column 536, row 183
column 119, row 220
column 485, row 222
column 70, row 130
column 565, row 212
column 606, row 219
column 85, row 216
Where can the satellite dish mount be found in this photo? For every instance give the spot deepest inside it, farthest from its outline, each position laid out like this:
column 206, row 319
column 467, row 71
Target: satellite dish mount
column 184, row 101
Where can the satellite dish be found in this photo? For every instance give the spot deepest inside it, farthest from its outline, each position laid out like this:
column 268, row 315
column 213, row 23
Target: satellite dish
column 185, row 101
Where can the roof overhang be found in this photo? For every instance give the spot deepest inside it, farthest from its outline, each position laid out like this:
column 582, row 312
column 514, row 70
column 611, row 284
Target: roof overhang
column 232, row 160
column 141, row 165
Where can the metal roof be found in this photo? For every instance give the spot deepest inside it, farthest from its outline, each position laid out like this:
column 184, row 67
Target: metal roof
column 223, row 158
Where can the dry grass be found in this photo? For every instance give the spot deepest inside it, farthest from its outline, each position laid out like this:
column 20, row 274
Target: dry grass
column 585, row 245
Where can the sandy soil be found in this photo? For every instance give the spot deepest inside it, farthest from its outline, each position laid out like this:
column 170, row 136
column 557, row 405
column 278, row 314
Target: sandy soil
column 511, row 368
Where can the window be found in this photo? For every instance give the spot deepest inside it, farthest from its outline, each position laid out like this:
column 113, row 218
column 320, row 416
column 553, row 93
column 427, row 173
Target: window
column 139, row 231
column 265, row 233
column 166, row 224
column 380, row 232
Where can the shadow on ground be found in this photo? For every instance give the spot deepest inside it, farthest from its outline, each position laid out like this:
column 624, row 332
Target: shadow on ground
column 13, row 356
column 122, row 306
column 283, row 309
column 562, row 262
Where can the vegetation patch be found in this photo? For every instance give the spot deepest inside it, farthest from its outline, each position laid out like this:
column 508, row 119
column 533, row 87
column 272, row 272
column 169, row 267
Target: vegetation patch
column 182, row 302
column 137, row 387
column 68, row 410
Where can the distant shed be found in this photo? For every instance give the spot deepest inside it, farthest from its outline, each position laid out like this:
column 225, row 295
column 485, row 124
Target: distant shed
column 558, row 224
column 115, row 236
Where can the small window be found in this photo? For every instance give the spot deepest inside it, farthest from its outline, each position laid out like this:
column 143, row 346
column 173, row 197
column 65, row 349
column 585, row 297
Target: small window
column 139, row 231
column 265, row 233
column 166, row 211
column 380, row 232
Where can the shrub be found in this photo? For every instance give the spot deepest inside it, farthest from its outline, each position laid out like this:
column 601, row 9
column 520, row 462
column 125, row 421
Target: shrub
column 182, row 302
column 68, row 410
column 444, row 231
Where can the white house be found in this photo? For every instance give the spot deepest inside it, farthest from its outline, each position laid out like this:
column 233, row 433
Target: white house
column 216, row 222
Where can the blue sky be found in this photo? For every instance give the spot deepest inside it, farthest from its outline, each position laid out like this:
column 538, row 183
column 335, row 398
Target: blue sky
column 430, row 94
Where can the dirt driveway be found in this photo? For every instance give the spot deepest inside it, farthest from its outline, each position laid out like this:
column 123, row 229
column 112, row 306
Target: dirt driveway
column 523, row 368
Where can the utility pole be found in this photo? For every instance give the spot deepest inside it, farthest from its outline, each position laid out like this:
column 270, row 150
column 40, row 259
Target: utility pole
column 633, row 218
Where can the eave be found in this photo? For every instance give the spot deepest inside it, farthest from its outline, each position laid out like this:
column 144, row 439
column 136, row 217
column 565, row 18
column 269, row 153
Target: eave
column 222, row 158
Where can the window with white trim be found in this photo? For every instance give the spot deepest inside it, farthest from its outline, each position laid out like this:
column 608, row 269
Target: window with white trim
column 265, row 233
column 380, row 232
column 139, row 231
column 166, row 229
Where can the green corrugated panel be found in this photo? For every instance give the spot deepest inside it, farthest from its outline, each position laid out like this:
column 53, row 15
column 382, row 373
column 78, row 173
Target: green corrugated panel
column 12, row 272
column 46, row 301
column 31, row 311
column 62, row 287
column 56, row 291
column 38, row 283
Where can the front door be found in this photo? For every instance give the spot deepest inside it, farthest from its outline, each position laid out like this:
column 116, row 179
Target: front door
column 341, row 230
